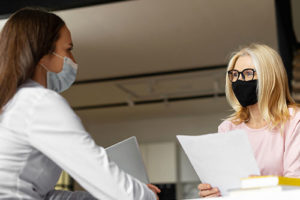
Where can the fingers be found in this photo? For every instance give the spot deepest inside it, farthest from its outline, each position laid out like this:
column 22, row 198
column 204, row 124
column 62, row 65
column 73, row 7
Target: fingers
column 204, row 186
column 212, row 192
column 213, row 195
column 154, row 188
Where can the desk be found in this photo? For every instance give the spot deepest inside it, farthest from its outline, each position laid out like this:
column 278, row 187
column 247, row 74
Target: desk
column 284, row 195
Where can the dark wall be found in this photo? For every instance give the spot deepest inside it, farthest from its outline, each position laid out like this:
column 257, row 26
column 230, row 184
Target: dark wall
column 10, row 6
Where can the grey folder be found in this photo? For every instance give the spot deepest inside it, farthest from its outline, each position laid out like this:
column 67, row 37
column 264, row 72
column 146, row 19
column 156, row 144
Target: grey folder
column 126, row 154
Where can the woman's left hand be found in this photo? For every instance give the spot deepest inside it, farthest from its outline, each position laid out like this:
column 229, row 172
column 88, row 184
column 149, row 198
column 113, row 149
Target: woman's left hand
column 154, row 189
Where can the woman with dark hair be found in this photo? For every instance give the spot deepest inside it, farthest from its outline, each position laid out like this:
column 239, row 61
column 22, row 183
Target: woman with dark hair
column 39, row 132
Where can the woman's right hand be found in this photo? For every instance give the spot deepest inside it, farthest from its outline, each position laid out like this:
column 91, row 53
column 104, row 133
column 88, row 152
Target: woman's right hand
column 207, row 191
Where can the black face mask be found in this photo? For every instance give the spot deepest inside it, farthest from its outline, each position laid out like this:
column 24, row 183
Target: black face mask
column 245, row 92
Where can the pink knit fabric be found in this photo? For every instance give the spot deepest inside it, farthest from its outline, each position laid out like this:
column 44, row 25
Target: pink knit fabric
column 276, row 154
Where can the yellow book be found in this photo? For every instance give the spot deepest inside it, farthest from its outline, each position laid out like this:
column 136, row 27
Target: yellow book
column 267, row 181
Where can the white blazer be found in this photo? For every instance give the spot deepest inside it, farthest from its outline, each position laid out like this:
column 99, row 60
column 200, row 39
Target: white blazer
column 39, row 134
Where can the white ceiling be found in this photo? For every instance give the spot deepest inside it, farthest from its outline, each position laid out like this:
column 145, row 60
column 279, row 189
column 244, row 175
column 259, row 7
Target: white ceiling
column 145, row 36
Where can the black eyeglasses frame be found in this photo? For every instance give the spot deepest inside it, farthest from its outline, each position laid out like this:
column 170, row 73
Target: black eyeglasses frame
column 241, row 73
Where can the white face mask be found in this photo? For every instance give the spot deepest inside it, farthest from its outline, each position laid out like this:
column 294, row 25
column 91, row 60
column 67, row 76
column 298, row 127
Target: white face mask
column 61, row 81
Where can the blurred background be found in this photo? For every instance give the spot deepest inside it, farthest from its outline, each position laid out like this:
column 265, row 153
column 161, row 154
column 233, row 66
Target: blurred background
column 156, row 68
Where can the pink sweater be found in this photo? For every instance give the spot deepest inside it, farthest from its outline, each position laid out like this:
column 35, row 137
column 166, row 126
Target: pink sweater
column 275, row 154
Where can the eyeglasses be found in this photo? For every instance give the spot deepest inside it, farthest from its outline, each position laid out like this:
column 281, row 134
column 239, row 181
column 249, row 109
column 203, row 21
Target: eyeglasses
column 247, row 74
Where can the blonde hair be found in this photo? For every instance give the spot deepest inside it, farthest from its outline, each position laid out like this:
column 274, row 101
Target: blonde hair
column 274, row 97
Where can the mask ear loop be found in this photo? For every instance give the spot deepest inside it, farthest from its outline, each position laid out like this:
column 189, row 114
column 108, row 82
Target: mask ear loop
column 46, row 71
column 58, row 55
column 73, row 64
column 44, row 67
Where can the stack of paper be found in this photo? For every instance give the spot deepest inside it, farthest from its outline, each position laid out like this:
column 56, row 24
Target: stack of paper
column 268, row 181
column 265, row 184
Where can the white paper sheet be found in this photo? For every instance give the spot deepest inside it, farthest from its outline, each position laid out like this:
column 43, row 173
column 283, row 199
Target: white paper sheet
column 221, row 159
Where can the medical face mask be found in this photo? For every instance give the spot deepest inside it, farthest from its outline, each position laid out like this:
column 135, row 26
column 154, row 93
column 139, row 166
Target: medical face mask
column 245, row 92
column 61, row 81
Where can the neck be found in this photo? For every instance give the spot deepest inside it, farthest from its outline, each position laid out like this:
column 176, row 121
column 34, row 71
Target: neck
column 40, row 76
column 256, row 120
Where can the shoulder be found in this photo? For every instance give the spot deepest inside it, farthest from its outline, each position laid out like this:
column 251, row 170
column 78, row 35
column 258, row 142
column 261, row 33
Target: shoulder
column 48, row 107
column 294, row 118
column 292, row 129
column 226, row 126
column 32, row 98
column 33, row 93
column 294, row 112
column 50, row 102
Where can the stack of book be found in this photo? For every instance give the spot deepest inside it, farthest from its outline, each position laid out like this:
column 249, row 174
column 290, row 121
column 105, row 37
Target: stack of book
column 266, row 184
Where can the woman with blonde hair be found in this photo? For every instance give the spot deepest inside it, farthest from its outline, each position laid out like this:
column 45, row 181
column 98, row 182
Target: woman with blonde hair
column 257, row 89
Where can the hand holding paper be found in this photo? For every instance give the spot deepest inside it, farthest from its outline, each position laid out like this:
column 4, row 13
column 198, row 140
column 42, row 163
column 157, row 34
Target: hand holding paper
column 221, row 159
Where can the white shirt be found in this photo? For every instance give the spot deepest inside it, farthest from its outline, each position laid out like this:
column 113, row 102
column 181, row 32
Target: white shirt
column 39, row 134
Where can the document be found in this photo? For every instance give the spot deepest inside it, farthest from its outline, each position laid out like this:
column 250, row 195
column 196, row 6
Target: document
column 221, row 159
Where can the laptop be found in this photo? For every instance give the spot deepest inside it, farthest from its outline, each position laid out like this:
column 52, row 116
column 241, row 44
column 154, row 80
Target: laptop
column 126, row 154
